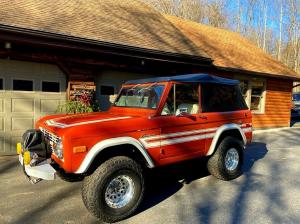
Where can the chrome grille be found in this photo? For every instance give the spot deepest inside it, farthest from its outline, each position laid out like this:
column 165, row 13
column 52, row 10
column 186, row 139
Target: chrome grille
column 50, row 138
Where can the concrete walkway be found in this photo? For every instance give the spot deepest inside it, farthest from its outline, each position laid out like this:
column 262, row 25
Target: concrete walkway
column 267, row 192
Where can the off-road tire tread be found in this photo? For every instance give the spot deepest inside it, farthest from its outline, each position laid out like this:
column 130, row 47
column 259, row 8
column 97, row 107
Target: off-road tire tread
column 215, row 164
column 99, row 174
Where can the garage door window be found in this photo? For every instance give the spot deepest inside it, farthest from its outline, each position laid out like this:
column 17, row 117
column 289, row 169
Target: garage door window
column 23, row 85
column 52, row 87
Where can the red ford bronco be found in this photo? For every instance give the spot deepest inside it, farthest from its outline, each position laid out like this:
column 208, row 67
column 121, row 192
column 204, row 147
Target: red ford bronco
column 153, row 122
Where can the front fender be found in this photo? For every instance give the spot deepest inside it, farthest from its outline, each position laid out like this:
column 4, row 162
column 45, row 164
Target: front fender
column 98, row 147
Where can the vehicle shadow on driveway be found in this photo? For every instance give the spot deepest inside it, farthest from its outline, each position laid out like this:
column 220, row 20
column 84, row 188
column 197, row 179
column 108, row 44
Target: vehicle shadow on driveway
column 244, row 185
column 165, row 182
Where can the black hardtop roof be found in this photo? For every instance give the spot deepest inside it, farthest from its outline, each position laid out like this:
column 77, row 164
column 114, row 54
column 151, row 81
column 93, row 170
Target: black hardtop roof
column 199, row 77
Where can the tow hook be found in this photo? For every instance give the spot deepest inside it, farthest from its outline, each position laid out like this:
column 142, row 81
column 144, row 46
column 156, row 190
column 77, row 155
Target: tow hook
column 34, row 180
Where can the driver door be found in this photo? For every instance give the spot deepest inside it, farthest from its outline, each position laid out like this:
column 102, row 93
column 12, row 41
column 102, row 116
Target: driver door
column 182, row 136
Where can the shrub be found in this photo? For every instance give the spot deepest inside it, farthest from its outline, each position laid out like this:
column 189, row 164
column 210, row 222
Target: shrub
column 83, row 104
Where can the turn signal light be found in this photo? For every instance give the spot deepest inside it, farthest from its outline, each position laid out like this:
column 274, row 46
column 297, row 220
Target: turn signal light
column 78, row 149
column 26, row 157
column 19, row 148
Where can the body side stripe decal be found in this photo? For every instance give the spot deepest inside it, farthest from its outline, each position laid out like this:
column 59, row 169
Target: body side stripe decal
column 61, row 125
column 181, row 139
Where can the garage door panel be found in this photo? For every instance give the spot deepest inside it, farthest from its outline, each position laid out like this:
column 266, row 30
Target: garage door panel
column 22, row 105
column 2, row 124
column 19, row 124
column 2, row 143
column 13, row 143
column 49, row 106
column 1, row 105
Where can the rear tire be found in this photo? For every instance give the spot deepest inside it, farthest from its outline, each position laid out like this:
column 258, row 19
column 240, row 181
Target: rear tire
column 226, row 162
column 115, row 190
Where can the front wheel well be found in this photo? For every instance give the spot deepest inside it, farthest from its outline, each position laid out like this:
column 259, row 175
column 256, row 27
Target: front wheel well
column 127, row 150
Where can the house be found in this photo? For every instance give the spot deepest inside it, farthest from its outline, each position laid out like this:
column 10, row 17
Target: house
column 48, row 48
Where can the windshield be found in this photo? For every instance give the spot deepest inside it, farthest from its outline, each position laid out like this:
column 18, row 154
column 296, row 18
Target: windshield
column 140, row 96
column 296, row 97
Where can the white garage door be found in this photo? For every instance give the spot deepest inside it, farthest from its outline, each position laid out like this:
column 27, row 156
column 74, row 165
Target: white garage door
column 28, row 91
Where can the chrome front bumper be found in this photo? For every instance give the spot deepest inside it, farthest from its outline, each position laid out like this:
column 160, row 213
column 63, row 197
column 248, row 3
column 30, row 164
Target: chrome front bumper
column 42, row 171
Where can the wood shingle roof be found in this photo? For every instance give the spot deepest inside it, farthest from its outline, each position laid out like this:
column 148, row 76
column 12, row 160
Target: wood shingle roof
column 228, row 49
column 131, row 23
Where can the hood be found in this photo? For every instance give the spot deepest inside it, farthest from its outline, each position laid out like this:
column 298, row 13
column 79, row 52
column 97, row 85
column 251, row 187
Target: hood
column 67, row 121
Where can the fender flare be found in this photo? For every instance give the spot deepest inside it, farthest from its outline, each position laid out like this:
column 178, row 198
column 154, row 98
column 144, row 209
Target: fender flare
column 219, row 132
column 100, row 146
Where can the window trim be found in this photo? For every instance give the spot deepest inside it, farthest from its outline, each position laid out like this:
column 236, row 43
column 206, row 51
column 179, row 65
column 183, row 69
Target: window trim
column 43, row 92
column 23, row 91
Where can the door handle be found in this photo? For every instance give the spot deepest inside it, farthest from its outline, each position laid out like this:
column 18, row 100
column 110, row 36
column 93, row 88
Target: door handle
column 203, row 117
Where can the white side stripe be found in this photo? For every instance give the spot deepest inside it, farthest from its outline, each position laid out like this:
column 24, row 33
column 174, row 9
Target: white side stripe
column 179, row 134
column 62, row 125
column 182, row 139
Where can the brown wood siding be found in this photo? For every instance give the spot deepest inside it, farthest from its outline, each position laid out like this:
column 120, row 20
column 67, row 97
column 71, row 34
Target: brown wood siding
column 277, row 105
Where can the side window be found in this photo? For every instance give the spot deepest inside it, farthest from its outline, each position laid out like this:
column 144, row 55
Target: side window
column 52, row 87
column 182, row 98
column 221, row 98
column 23, row 85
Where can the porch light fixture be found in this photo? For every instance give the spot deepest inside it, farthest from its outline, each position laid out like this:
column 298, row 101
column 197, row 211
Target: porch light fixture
column 7, row 45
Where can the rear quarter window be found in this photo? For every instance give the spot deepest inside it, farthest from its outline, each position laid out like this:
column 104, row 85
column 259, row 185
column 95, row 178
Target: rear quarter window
column 221, row 98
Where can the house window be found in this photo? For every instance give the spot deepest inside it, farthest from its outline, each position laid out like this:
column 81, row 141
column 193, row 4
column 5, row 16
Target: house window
column 253, row 93
column 1, row 84
column 50, row 87
column 107, row 90
column 257, row 96
column 23, row 85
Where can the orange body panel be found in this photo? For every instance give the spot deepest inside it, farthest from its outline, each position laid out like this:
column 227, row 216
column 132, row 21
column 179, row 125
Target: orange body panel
column 190, row 136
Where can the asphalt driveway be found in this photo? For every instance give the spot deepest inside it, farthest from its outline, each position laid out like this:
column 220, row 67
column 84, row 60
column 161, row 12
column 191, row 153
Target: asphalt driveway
column 267, row 192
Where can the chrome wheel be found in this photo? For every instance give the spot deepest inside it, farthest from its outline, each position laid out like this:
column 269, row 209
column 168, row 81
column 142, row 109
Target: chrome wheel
column 119, row 191
column 231, row 159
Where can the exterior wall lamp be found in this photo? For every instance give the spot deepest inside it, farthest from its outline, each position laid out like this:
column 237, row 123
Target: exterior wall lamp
column 7, row 45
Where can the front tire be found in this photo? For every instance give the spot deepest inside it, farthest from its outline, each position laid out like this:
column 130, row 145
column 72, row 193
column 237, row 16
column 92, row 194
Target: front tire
column 115, row 190
column 226, row 162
